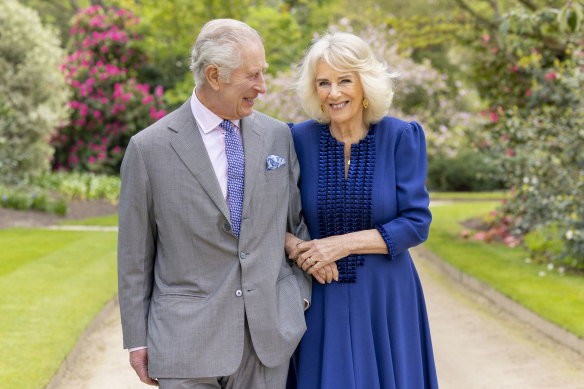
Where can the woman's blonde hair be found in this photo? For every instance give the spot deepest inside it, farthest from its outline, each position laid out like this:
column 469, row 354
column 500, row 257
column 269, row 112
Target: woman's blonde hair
column 346, row 52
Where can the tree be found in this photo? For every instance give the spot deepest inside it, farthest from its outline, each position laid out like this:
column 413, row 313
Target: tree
column 32, row 92
column 529, row 69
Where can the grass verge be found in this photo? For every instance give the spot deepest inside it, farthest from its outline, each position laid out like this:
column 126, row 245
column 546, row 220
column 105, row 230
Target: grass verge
column 52, row 283
column 494, row 195
column 553, row 296
column 102, row 221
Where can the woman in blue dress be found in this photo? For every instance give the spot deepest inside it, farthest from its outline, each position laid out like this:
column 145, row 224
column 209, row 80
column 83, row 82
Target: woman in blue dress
column 365, row 204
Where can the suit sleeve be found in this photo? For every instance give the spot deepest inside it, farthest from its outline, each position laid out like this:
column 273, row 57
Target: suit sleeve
column 296, row 224
column 412, row 224
column 136, row 247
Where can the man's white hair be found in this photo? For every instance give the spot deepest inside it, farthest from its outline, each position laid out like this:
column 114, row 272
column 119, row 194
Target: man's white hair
column 219, row 43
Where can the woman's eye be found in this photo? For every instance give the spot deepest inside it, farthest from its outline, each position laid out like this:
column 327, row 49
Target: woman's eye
column 345, row 81
column 322, row 83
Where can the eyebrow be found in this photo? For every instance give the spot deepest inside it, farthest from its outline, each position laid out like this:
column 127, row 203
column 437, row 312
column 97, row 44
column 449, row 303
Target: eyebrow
column 348, row 75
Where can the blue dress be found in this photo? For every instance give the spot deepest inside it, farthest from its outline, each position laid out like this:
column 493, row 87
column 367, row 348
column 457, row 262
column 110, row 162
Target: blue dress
column 369, row 330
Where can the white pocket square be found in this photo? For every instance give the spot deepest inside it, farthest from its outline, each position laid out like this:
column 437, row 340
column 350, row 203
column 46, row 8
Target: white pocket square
column 274, row 162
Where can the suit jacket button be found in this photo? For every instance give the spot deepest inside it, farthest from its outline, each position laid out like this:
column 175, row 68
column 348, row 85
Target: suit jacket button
column 242, row 255
column 238, row 292
column 227, row 227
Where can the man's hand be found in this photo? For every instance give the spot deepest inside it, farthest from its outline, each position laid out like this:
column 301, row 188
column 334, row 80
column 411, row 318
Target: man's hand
column 139, row 362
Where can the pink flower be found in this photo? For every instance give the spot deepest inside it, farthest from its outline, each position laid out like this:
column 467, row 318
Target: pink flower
column 528, row 92
column 510, row 152
column 464, row 234
column 96, row 114
column 481, row 235
column 91, row 159
column 84, row 110
column 494, row 117
column 147, row 99
column 158, row 91
column 104, row 49
column 117, row 149
column 486, row 38
column 103, row 100
column 100, row 156
column 550, row 76
column 514, row 68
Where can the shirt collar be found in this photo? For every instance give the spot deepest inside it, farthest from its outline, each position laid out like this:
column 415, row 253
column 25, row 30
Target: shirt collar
column 206, row 119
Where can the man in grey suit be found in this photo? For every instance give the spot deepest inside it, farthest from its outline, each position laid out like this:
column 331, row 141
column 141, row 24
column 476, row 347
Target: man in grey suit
column 207, row 297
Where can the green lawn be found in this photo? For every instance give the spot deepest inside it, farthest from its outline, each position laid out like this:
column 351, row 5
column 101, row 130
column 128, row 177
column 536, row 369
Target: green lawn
column 52, row 283
column 495, row 195
column 555, row 297
column 102, row 221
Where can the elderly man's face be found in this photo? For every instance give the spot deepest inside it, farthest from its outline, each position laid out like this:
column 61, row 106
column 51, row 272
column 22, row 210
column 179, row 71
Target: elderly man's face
column 245, row 84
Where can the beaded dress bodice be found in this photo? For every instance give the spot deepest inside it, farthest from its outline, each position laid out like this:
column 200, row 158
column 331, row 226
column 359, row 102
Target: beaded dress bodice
column 344, row 204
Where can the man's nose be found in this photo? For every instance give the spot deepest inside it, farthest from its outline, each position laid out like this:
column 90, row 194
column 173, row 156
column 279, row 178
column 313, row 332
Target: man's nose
column 261, row 86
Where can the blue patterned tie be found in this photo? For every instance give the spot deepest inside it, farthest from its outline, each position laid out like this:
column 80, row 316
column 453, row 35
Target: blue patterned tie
column 235, row 174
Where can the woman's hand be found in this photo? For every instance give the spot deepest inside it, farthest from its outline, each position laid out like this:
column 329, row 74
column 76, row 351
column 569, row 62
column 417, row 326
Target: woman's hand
column 319, row 254
column 324, row 275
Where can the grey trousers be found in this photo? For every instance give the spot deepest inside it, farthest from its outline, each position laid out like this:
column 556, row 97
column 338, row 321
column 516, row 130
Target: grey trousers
column 251, row 374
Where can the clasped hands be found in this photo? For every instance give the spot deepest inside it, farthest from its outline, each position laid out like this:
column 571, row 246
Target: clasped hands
column 316, row 257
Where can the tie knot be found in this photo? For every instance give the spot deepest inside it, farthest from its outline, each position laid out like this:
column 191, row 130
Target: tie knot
column 227, row 125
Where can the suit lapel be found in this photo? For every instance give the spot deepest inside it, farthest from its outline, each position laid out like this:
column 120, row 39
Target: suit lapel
column 252, row 147
column 188, row 144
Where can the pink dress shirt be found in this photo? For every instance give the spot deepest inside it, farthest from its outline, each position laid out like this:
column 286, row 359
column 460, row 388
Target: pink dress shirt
column 214, row 139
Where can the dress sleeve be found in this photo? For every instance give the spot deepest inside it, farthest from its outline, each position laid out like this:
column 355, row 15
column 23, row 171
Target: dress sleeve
column 412, row 223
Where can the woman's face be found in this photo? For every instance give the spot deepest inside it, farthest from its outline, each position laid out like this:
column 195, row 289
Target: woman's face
column 341, row 95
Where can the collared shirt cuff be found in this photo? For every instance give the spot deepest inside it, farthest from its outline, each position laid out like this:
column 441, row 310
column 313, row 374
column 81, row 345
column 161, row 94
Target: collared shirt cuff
column 306, row 304
column 137, row 348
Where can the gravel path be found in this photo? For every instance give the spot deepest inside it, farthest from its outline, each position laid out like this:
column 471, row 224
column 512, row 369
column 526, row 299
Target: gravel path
column 476, row 346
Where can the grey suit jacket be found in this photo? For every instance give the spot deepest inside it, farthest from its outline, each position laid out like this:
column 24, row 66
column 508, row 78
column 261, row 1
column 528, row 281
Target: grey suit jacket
column 186, row 282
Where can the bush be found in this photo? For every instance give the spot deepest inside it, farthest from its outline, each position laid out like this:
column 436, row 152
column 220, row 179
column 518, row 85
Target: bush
column 109, row 105
column 81, row 186
column 33, row 92
column 32, row 199
column 467, row 171
column 530, row 72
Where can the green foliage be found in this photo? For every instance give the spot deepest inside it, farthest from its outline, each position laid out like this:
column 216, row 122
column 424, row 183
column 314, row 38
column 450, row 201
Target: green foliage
column 281, row 35
column 467, row 171
column 53, row 284
column 81, row 186
column 32, row 199
column 529, row 71
column 32, row 92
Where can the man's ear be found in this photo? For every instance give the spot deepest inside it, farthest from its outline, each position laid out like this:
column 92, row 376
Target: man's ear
column 212, row 77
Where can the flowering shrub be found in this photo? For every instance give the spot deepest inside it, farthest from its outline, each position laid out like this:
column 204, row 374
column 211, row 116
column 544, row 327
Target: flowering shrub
column 32, row 92
column 531, row 72
column 109, row 105
column 421, row 94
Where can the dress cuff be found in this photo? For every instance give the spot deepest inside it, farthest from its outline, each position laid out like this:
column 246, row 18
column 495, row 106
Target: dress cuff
column 387, row 240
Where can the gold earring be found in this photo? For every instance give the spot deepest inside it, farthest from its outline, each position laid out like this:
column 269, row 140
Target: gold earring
column 322, row 108
column 365, row 103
